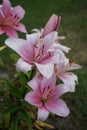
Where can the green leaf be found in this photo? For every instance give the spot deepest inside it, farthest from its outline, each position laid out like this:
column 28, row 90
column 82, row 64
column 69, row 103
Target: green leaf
column 6, row 120
column 7, row 97
column 14, row 57
column 22, row 79
column 23, row 82
column 1, row 62
column 26, row 104
column 6, row 105
column 14, row 124
column 8, row 111
column 27, row 118
column 13, row 89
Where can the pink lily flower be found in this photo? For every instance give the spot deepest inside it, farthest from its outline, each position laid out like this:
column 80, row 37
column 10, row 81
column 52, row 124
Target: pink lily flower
column 46, row 96
column 10, row 19
column 34, row 52
column 58, row 45
column 52, row 25
column 69, row 78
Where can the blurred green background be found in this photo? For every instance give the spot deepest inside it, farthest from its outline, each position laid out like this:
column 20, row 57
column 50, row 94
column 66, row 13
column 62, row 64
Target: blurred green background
column 74, row 27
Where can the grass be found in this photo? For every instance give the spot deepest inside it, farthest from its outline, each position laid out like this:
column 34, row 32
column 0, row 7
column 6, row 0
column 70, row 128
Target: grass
column 74, row 27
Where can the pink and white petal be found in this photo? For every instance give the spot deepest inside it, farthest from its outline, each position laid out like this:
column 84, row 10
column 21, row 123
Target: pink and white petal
column 34, row 83
column 45, row 69
column 1, row 14
column 60, row 90
column 23, row 66
column 55, row 57
column 35, row 30
column 69, row 79
column 51, row 58
column 21, row 28
column 19, row 11
column 6, row 6
column 58, row 22
column 58, row 107
column 62, row 65
column 33, row 98
column 42, row 113
column 27, row 52
column 1, row 31
column 33, row 38
column 62, row 58
column 48, row 82
column 61, row 47
column 52, row 25
column 74, row 66
column 22, row 47
column 10, row 32
column 15, row 44
column 49, row 39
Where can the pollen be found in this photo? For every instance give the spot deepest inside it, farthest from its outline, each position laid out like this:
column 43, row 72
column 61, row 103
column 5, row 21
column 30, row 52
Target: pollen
column 40, row 39
column 49, row 90
column 72, row 62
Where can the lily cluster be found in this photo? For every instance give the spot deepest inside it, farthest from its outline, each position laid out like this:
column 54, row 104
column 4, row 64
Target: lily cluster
column 41, row 51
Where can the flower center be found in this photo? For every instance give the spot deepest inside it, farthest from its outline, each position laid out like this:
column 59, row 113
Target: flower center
column 12, row 20
column 39, row 50
column 46, row 94
column 64, row 68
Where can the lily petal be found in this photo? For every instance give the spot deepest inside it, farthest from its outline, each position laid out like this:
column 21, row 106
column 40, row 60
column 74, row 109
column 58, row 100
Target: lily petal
column 6, row 7
column 70, row 79
column 15, row 44
column 52, row 25
column 61, row 47
column 49, row 39
column 45, row 69
column 19, row 11
column 33, row 38
column 10, row 32
column 60, row 90
column 58, row 107
column 1, row 31
column 33, row 98
column 23, row 66
column 48, row 82
column 42, row 114
column 34, row 83
column 74, row 66
column 21, row 28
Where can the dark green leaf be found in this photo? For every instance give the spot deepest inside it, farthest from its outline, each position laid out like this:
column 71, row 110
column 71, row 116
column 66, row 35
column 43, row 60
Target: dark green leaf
column 8, row 111
column 23, row 79
column 27, row 118
column 23, row 82
column 13, row 89
column 14, row 124
column 4, row 105
column 14, row 57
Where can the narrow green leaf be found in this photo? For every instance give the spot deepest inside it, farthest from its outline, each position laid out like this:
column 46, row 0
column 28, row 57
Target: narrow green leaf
column 13, row 89
column 14, row 124
column 6, row 120
column 23, row 82
column 27, row 118
column 7, row 97
column 1, row 62
column 8, row 111
column 23, row 79
column 14, row 57
column 4, row 105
